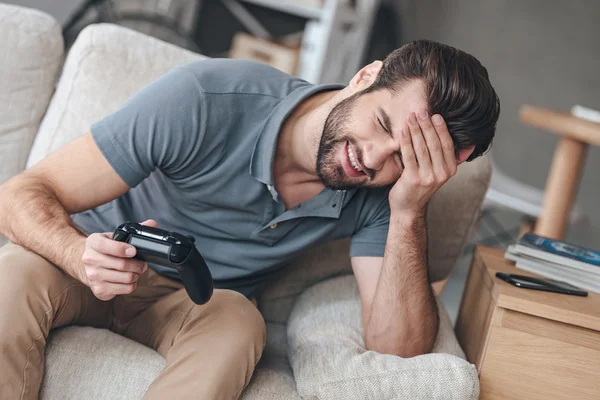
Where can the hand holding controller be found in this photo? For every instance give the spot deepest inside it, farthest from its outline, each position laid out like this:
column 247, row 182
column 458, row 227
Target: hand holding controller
column 173, row 250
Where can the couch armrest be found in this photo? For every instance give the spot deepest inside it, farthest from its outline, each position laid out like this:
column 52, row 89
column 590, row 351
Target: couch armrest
column 327, row 354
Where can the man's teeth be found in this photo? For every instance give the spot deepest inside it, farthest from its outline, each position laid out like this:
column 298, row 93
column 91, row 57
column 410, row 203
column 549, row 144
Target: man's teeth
column 353, row 160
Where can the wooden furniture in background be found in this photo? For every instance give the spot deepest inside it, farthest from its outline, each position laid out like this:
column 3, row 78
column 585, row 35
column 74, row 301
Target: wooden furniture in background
column 248, row 47
column 567, row 164
column 527, row 344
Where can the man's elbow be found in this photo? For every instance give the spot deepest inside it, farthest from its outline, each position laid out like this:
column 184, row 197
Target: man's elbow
column 417, row 343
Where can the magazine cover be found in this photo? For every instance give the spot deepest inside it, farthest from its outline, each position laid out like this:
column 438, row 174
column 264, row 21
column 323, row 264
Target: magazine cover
column 561, row 248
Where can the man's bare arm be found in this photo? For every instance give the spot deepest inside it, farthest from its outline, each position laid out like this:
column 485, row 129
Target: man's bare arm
column 35, row 206
column 399, row 308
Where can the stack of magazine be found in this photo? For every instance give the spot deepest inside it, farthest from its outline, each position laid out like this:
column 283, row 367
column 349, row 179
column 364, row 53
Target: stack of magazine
column 558, row 260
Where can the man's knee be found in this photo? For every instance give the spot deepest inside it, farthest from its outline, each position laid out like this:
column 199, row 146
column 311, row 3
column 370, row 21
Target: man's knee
column 240, row 313
column 235, row 317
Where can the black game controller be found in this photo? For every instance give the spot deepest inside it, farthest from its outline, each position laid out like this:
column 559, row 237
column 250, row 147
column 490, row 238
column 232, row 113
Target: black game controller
column 170, row 249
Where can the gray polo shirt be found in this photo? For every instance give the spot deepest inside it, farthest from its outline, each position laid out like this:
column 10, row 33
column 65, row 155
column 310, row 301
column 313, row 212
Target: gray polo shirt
column 197, row 146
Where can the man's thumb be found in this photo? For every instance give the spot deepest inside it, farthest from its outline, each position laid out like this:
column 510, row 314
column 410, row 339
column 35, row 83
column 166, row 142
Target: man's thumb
column 150, row 222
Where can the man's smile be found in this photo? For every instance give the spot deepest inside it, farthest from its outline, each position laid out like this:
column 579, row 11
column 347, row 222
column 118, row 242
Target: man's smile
column 351, row 164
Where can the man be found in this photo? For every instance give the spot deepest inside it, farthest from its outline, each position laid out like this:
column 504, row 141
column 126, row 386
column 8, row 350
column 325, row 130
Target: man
column 258, row 166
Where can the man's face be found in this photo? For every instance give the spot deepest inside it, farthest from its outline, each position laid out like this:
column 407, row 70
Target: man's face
column 360, row 143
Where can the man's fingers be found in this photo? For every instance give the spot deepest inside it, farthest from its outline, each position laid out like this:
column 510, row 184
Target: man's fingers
column 107, row 291
column 96, row 259
column 445, row 141
column 102, row 275
column 419, row 145
column 406, row 149
column 433, row 142
column 149, row 222
column 103, row 243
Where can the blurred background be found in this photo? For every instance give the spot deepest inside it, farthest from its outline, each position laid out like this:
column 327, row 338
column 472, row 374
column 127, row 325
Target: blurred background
column 537, row 52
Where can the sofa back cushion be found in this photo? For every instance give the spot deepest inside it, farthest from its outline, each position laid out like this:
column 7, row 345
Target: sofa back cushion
column 32, row 52
column 104, row 68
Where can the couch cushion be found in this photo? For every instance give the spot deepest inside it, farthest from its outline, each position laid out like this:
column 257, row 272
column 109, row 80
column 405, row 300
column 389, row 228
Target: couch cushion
column 89, row 363
column 272, row 380
column 327, row 354
column 32, row 52
column 104, row 68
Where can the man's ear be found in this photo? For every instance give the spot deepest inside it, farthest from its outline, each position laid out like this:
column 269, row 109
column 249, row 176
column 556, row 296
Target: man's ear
column 463, row 154
column 366, row 76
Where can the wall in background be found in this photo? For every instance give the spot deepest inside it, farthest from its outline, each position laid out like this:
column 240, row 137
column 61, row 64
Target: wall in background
column 537, row 52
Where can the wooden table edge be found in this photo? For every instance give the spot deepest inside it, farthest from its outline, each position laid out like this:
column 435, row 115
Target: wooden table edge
column 515, row 301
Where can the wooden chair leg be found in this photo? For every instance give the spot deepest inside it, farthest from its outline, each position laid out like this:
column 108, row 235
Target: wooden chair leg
column 561, row 188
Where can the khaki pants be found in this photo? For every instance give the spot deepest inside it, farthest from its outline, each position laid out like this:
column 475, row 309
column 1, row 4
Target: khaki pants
column 210, row 350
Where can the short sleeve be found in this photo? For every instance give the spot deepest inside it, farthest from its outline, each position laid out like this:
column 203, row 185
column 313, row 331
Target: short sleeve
column 369, row 240
column 160, row 127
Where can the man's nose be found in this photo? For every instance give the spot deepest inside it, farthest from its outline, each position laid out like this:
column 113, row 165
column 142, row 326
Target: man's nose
column 376, row 154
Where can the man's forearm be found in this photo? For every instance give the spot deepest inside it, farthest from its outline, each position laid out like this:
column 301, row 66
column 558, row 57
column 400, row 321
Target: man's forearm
column 32, row 216
column 403, row 319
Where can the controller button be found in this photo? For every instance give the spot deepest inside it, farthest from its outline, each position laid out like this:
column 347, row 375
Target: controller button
column 179, row 239
column 130, row 227
column 120, row 236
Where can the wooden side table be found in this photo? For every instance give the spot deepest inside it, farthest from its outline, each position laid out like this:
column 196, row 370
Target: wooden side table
column 567, row 164
column 528, row 344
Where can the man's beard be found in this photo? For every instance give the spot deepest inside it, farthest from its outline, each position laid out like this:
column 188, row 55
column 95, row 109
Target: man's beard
column 336, row 134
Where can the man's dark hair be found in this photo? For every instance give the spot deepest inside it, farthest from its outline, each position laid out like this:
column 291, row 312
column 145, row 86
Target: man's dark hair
column 457, row 85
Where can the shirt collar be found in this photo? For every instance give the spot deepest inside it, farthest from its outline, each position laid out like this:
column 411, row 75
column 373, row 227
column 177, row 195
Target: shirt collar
column 263, row 154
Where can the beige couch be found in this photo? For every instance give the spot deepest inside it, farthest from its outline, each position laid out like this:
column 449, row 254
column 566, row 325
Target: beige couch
column 315, row 348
